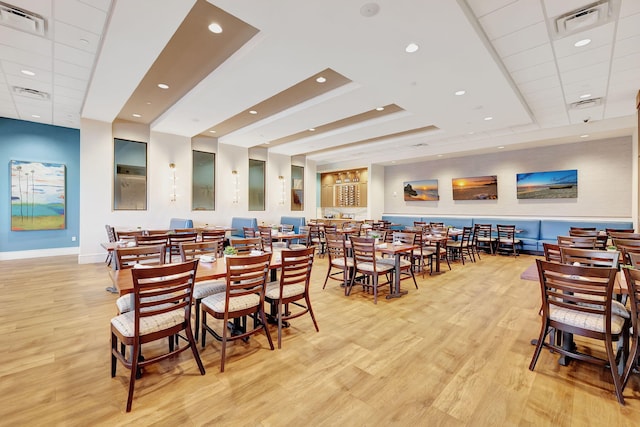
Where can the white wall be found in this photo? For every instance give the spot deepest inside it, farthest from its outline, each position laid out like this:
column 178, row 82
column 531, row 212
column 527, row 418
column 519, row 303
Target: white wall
column 96, row 187
column 604, row 182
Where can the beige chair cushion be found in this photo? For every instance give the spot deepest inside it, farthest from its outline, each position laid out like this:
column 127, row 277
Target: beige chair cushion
column 380, row 267
column 590, row 321
column 339, row 262
column 208, row 287
column 273, row 290
column 216, row 302
column 125, row 302
column 391, row 261
column 125, row 323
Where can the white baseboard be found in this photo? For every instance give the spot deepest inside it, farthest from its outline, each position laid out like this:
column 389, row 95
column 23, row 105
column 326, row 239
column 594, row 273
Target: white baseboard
column 38, row 253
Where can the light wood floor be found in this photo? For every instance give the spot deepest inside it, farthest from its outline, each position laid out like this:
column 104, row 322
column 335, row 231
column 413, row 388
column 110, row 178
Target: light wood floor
column 453, row 353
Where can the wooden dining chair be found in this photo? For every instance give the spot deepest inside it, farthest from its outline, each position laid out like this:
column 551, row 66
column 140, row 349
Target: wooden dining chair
column 507, row 240
column 128, row 236
column 168, row 314
column 244, row 246
column 582, row 242
column 368, row 265
column 111, row 235
column 152, row 240
column 486, row 240
column 244, row 296
column 217, row 236
column 552, row 252
column 589, row 257
column 133, row 257
column 579, row 300
column 175, row 239
column 292, row 289
column 624, row 235
column 249, row 232
column 204, row 252
column 338, row 260
column 632, row 276
column 462, row 246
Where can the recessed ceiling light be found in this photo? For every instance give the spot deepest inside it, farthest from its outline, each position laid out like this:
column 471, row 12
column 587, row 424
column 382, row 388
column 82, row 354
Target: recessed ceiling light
column 136, row 115
column 582, row 42
column 35, row 116
column 501, row 147
column 312, row 129
column 488, row 118
column 84, row 41
column 148, row 102
column 411, row 47
column 471, row 133
column 267, row 143
column 439, row 155
column 253, row 112
column 393, row 161
column 321, row 79
column 460, row 92
column 28, row 72
column 215, row 28
column 585, row 96
column 212, row 131
column 380, row 109
column 584, row 136
column 163, row 86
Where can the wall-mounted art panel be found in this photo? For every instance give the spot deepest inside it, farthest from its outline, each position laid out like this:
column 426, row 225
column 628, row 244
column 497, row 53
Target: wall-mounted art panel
column 37, row 196
column 421, row 191
column 561, row 184
column 475, row 188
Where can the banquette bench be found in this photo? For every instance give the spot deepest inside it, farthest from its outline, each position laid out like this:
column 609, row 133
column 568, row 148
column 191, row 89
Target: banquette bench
column 237, row 223
column 534, row 232
column 296, row 221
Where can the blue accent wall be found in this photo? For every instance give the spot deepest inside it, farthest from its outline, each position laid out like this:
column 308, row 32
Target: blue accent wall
column 28, row 141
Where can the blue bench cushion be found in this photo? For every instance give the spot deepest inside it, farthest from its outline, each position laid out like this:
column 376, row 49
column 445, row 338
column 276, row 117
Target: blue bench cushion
column 530, row 230
column 550, row 229
column 238, row 224
column 296, row 221
column 180, row 223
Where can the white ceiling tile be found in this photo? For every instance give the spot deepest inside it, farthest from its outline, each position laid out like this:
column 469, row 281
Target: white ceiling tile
column 629, row 26
column 629, row 8
column 536, row 72
column 533, row 86
column 71, row 70
column 528, row 58
column 74, row 56
column 544, row 94
column 512, row 18
column 25, row 41
column 579, row 115
column 625, row 63
column 597, row 88
column 627, row 46
column 28, row 59
column 524, row 39
column 585, row 58
column 103, row 5
column 73, row 36
column 595, row 71
column 80, row 15
column 20, row 81
column 76, row 94
column 482, row 7
column 70, row 82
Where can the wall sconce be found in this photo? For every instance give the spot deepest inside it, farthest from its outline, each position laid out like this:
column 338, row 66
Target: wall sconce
column 173, row 195
column 236, row 187
column 282, row 194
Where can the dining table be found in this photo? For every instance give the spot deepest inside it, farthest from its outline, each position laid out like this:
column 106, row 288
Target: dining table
column 397, row 250
column 439, row 241
column 123, row 279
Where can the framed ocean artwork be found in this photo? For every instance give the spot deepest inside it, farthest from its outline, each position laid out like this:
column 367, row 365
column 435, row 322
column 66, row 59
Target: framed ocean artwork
column 561, row 184
column 421, row 191
column 475, row 188
column 37, row 196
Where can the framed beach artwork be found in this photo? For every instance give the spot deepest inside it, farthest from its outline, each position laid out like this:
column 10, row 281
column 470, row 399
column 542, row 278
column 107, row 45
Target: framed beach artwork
column 37, row 196
column 548, row 185
column 421, row 191
column 475, row 188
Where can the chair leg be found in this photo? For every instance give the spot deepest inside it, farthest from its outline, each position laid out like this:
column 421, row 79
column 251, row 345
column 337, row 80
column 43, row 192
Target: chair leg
column 617, row 381
column 114, row 360
column 197, row 318
column 263, row 318
column 135, row 349
column 223, row 351
column 313, row 317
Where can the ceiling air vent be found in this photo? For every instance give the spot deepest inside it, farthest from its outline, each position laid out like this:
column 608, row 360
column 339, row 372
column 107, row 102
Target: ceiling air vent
column 586, row 103
column 21, row 19
column 578, row 20
column 30, row 93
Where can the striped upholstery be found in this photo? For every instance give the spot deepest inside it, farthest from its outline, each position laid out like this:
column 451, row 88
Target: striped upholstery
column 216, row 302
column 273, row 290
column 593, row 322
column 125, row 323
column 208, row 287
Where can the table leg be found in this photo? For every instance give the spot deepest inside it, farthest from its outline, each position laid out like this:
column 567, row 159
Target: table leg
column 397, row 293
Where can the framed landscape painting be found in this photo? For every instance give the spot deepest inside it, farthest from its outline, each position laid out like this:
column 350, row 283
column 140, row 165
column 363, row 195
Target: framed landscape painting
column 421, row 191
column 475, row 188
column 548, row 185
column 37, row 196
